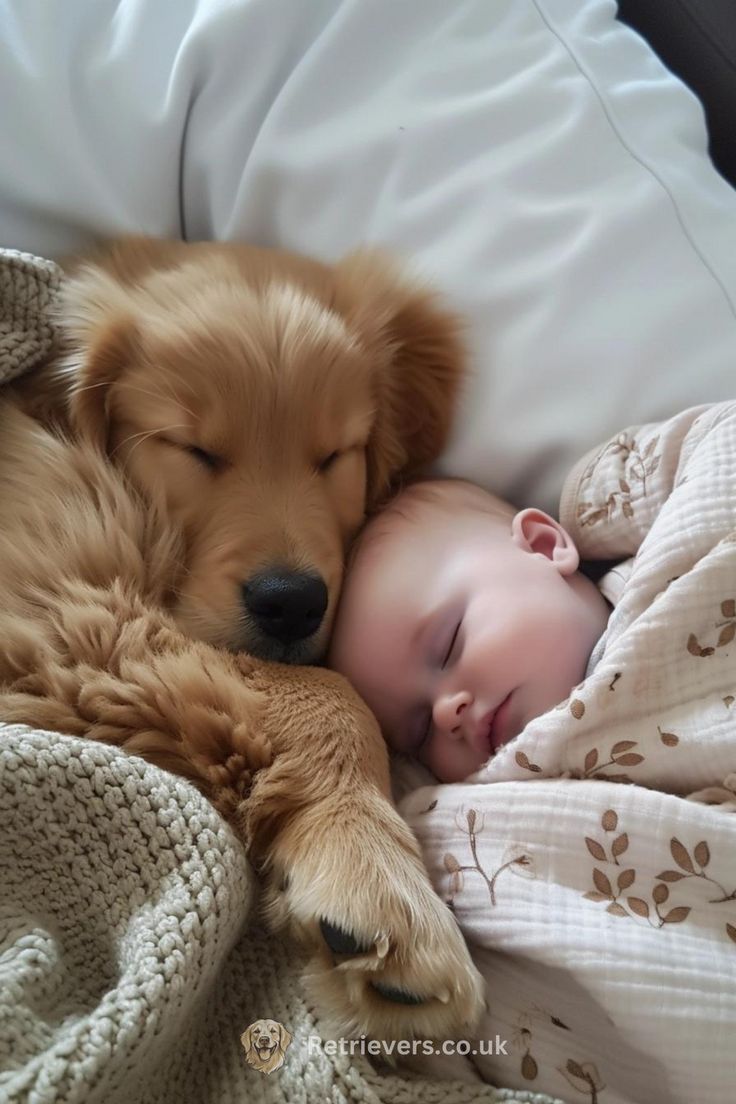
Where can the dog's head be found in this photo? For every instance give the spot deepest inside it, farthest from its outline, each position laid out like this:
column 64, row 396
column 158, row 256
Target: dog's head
column 265, row 402
column 265, row 1043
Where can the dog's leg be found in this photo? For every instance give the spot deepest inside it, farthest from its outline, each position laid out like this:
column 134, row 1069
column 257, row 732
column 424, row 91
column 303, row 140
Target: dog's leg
column 296, row 761
column 345, row 870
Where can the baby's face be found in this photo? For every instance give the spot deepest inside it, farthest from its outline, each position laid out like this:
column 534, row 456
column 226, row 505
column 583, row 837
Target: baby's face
column 457, row 635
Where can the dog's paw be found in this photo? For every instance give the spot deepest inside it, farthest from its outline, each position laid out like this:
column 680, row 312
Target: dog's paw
column 388, row 958
column 413, row 979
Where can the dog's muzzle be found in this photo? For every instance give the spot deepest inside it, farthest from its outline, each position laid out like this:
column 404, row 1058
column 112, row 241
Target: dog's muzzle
column 285, row 606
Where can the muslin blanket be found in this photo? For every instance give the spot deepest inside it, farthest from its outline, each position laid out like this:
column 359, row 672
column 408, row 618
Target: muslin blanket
column 132, row 956
column 592, row 861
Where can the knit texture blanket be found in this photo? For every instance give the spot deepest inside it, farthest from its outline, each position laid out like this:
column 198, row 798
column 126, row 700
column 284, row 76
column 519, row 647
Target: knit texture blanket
column 132, row 957
column 28, row 287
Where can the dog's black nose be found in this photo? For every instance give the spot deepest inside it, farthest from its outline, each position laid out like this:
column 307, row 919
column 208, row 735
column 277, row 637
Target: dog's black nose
column 287, row 605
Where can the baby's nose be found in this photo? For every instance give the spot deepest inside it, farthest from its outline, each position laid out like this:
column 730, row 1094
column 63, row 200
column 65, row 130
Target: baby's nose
column 449, row 712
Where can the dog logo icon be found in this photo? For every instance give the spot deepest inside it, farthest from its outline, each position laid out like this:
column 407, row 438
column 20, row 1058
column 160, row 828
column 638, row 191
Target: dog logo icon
column 265, row 1044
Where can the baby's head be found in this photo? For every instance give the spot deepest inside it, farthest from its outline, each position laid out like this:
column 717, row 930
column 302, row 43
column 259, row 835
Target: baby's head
column 461, row 620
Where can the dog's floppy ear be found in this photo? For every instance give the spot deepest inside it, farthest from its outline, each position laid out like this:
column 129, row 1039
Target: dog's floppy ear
column 97, row 317
column 419, row 365
column 247, row 1039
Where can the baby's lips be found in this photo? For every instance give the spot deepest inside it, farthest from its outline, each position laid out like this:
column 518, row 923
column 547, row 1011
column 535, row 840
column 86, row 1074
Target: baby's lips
column 484, row 732
column 499, row 734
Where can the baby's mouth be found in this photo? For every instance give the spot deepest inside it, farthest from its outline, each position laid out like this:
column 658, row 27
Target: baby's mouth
column 498, row 730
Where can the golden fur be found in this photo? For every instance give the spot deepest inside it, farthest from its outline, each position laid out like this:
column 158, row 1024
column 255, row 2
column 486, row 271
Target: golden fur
column 220, row 414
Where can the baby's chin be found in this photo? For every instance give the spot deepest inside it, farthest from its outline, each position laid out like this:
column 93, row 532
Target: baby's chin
column 454, row 772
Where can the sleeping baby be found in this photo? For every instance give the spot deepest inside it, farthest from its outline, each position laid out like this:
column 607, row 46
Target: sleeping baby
column 584, row 841
column 462, row 620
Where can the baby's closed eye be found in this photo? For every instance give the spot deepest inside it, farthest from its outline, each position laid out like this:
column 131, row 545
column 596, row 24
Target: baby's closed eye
column 452, row 646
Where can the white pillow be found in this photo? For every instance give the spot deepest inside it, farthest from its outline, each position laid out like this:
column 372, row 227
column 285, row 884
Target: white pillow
column 531, row 157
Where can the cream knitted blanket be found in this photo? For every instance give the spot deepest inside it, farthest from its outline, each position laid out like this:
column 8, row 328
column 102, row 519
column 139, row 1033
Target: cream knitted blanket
column 131, row 953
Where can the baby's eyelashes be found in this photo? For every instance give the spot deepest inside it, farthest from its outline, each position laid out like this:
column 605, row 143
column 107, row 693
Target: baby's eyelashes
column 452, row 645
column 420, row 725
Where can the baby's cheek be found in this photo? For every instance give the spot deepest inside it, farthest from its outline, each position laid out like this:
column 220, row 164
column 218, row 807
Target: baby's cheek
column 565, row 669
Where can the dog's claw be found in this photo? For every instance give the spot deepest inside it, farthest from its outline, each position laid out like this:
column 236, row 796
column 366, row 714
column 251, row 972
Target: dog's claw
column 398, row 996
column 341, row 942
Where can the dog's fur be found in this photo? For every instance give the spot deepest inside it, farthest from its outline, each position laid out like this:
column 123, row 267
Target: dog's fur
column 220, row 415
column 265, row 1043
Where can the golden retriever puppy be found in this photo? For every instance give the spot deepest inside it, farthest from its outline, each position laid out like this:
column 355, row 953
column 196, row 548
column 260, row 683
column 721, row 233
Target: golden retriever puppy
column 178, row 491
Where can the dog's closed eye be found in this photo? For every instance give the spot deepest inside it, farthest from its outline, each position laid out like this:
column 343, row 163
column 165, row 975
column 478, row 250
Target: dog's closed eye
column 328, row 461
column 207, row 459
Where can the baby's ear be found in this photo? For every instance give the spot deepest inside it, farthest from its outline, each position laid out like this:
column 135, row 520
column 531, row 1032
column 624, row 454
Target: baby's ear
column 534, row 531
